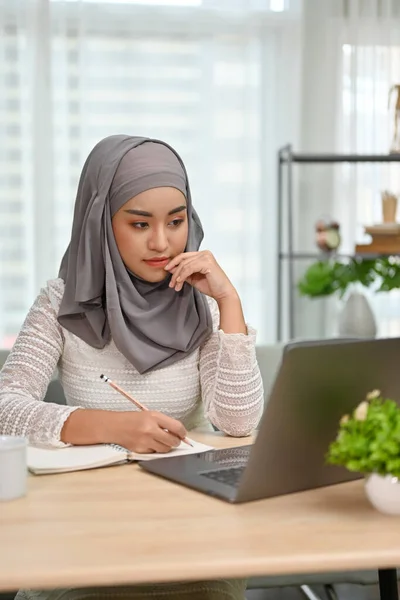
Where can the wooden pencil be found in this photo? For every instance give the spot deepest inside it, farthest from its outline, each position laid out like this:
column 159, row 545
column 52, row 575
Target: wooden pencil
column 139, row 405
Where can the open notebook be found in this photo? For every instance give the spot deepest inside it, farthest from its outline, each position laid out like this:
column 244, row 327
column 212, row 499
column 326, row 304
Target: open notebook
column 42, row 461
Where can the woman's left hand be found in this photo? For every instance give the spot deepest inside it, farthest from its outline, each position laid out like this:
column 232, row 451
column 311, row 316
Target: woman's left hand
column 201, row 270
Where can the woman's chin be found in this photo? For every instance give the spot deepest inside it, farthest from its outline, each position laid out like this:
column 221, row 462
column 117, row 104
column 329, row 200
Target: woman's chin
column 151, row 275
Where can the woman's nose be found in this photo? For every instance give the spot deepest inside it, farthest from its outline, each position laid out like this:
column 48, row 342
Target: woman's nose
column 158, row 241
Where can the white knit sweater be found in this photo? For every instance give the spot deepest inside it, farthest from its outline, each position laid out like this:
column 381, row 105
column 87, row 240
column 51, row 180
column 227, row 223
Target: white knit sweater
column 219, row 382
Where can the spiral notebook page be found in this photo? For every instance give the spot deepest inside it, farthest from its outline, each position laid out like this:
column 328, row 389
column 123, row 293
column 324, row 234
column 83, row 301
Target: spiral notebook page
column 77, row 458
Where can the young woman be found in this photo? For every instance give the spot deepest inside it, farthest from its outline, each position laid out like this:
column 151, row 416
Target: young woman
column 136, row 300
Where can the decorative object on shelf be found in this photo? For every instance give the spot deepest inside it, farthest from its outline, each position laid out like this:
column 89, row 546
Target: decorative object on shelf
column 327, row 235
column 385, row 242
column 327, row 277
column 357, row 318
column 386, row 235
column 368, row 441
column 389, row 207
column 383, row 229
column 395, row 145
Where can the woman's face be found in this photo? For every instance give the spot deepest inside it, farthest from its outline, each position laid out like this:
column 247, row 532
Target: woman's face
column 150, row 229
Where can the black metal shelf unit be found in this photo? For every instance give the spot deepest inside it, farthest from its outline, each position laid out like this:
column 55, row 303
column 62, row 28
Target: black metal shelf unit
column 286, row 159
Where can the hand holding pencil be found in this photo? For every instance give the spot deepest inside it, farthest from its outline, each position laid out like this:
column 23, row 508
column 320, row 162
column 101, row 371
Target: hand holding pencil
column 165, row 431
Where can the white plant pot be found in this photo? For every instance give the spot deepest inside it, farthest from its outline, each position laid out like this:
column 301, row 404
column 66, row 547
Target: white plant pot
column 357, row 318
column 384, row 493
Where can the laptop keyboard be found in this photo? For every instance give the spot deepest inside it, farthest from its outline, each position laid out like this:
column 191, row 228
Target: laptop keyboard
column 229, row 476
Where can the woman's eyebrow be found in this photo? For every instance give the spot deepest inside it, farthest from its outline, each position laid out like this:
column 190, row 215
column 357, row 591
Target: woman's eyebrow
column 144, row 213
column 177, row 209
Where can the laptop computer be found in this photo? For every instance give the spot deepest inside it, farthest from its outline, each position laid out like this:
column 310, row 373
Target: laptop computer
column 316, row 384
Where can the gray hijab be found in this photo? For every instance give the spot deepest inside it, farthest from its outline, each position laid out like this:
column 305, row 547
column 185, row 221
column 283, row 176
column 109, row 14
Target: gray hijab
column 151, row 324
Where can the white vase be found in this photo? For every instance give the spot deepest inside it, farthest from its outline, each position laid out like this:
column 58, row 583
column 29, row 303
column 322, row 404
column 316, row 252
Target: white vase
column 357, row 318
column 383, row 491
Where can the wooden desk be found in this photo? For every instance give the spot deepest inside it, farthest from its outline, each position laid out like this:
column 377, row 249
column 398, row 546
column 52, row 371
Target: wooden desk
column 121, row 525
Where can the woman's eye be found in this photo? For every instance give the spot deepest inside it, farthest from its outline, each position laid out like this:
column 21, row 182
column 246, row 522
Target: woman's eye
column 176, row 222
column 145, row 225
column 140, row 225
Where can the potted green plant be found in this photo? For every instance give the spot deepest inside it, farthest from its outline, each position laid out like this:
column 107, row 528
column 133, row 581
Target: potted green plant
column 334, row 276
column 368, row 441
column 348, row 277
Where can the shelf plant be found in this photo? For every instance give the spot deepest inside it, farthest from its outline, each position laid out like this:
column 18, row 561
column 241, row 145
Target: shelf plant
column 334, row 275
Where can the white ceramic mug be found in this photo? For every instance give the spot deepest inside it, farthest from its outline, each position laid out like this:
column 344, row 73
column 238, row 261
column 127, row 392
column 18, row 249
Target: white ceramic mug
column 13, row 467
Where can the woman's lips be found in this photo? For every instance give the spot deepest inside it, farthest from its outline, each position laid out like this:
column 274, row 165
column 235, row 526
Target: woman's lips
column 159, row 263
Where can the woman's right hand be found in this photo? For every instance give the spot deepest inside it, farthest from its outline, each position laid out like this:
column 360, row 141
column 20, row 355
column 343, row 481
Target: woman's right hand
column 138, row 431
column 146, row 431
